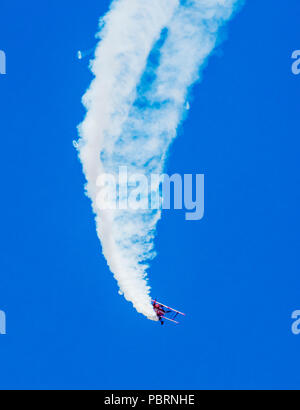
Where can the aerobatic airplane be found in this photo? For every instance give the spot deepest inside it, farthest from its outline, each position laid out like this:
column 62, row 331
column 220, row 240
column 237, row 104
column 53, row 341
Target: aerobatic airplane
column 165, row 312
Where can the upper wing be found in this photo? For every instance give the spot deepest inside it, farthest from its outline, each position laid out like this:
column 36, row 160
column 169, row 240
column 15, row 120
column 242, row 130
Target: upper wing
column 176, row 311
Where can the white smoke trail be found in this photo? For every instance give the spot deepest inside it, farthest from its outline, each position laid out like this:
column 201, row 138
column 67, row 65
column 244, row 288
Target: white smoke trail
column 134, row 106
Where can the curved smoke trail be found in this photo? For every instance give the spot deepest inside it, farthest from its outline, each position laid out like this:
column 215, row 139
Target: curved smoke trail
column 149, row 55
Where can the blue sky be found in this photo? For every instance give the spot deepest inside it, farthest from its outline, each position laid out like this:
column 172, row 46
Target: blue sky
column 235, row 273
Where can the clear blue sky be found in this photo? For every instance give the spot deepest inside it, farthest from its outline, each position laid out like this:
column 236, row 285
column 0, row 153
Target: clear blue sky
column 235, row 273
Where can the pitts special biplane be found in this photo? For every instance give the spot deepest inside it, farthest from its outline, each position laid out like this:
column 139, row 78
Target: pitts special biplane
column 164, row 312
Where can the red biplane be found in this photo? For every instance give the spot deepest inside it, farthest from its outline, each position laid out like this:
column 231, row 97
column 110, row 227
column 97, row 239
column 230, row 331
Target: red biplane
column 165, row 312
